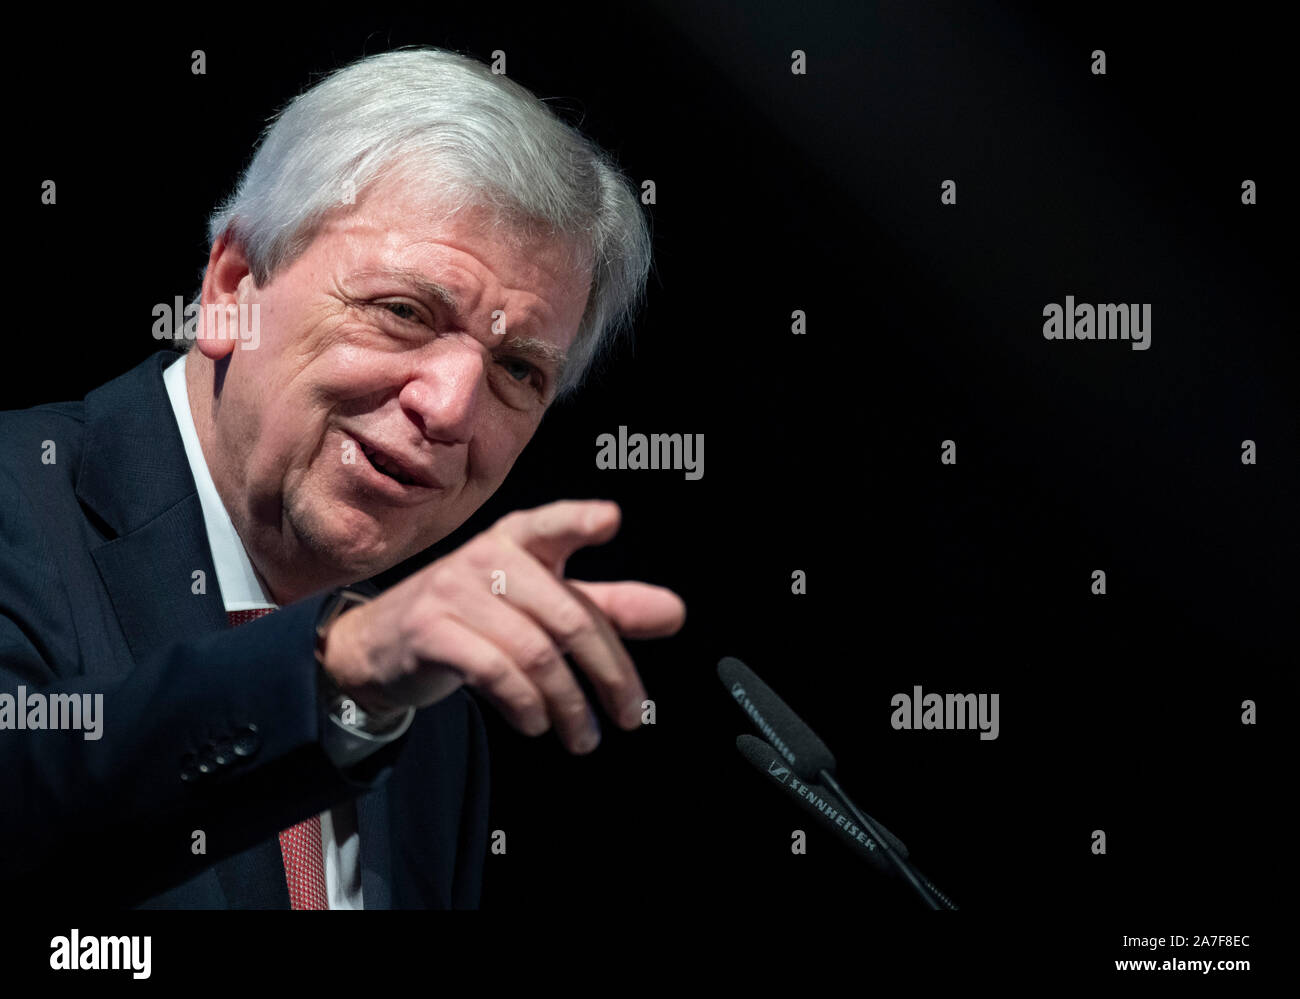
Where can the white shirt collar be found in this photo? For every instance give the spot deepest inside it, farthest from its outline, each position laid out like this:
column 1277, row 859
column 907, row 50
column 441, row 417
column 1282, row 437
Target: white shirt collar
column 240, row 587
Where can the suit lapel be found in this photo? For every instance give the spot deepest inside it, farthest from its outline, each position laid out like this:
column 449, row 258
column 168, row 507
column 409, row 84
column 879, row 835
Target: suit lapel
column 162, row 556
column 135, row 477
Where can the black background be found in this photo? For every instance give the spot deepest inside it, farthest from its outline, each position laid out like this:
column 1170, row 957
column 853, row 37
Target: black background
column 821, row 192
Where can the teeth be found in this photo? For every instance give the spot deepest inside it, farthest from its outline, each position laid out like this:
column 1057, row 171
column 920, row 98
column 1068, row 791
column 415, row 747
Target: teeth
column 387, row 467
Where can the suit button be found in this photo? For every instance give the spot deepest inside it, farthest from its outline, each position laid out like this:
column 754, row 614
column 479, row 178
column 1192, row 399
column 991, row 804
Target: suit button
column 206, row 763
column 247, row 741
column 224, row 753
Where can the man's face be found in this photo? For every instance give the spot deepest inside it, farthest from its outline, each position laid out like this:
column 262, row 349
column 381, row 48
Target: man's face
column 360, row 367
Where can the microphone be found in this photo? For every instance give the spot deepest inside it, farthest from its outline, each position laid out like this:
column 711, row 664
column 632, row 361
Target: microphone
column 817, row 802
column 786, row 731
column 809, row 759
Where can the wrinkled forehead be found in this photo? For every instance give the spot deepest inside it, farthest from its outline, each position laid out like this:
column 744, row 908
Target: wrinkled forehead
column 452, row 254
column 405, row 204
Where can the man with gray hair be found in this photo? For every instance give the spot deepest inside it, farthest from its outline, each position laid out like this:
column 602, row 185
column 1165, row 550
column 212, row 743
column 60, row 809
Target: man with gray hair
column 420, row 259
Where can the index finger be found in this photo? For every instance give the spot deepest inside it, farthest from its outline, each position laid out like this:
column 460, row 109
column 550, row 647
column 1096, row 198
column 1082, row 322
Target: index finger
column 637, row 610
column 553, row 532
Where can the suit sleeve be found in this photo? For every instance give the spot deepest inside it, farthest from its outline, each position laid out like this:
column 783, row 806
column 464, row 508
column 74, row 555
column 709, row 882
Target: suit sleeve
column 198, row 753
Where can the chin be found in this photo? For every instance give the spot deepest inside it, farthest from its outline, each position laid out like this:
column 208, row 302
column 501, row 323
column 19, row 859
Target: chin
column 353, row 542
column 359, row 564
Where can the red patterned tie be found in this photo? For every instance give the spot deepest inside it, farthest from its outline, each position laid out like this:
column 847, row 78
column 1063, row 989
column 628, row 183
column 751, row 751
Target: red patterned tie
column 304, row 858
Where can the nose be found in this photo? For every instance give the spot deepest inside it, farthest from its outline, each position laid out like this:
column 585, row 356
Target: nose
column 443, row 392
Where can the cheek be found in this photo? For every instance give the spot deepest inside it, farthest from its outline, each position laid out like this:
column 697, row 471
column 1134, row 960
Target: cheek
column 260, row 434
column 493, row 454
column 351, row 370
column 293, row 447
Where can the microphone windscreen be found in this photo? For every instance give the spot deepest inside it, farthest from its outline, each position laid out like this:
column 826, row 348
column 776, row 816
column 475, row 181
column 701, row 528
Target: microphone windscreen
column 764, row 759
column 806, row 754
column 825, row 811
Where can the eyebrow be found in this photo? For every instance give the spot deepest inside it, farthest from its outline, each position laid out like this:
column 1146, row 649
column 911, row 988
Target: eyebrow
column 427, row 288
column 537, row 349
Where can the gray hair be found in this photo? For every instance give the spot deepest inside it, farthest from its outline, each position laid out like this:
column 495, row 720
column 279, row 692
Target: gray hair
column 472, row 138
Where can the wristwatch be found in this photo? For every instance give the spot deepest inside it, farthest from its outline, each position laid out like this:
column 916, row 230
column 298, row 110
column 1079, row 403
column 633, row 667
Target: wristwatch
column 339, row 602
column 338, row 704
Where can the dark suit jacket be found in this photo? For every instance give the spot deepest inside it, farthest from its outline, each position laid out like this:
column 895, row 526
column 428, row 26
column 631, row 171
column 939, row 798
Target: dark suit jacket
column 98, row 551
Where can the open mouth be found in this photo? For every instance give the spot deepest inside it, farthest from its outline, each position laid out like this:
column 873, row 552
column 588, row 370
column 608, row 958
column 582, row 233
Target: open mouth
column 386, row 466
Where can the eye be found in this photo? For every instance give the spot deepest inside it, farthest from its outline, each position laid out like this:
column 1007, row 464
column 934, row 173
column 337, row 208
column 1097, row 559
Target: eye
column 513, row 365
column 402, row 311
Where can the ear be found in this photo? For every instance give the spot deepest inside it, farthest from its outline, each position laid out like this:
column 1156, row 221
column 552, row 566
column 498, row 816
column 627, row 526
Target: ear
column 227, row 270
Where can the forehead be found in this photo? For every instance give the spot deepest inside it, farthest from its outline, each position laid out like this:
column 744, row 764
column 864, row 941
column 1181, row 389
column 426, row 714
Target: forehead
column 482, row 263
